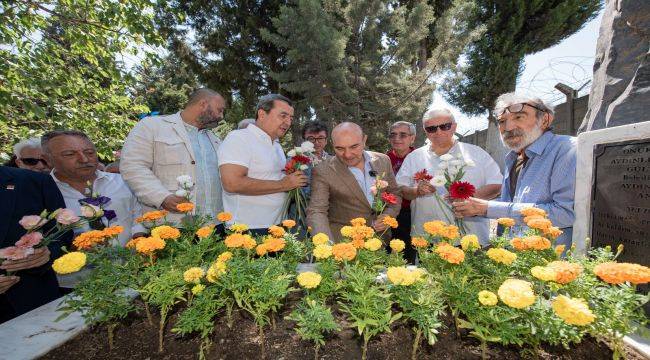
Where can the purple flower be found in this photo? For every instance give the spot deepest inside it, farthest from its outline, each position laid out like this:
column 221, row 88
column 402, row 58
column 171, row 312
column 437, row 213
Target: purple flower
column 97, row 201
column 109, row 215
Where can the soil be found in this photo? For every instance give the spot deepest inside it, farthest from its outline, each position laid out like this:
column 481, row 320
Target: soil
column 136, row 339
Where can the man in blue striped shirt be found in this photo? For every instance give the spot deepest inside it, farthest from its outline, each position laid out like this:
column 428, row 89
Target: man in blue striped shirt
column 540, row 167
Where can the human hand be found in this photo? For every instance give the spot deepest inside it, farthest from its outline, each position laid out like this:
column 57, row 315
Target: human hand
column 470, row 207
column 294, row 180
column 424, row 188
column 378, row 224
column 39, row 257
column 171, row 201
column 6, row 282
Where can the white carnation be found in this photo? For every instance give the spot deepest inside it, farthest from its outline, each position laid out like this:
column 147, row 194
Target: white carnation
column 443, row 165
column 438, row 180
column 470, row 163
column 181, row 192
column 303, row 167
column 185, row 181
column 307, row 146
column 446, row 157
column 456, row 163
column 459, row 155
column 292, row 153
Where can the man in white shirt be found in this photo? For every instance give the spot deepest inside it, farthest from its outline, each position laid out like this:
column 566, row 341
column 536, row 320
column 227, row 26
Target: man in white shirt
column 440, row 126
column 74, row 166
column 251, row 163
column 161, row 148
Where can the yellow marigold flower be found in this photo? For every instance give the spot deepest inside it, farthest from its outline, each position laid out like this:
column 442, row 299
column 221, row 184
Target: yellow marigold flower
column 501, row 255
column 419, row 242
column 185, row 207
column 565, row 272
column 89, row 239
column 151, row 216
column 470, row 243
column 248, row 242
column 69, row 263
column 362, row 232
column 197, row 289
column 553, row 232
column 397, row 245
column 277, row 231
column 224, row 216
column 530, row 211
column 238, row 228
column 347, row 231
column 543, row 273
column 224, row 256
column 133, row 242
column 373, row 244
column 113, row 230
column 559, row 249
column 358, row 222
column 322, row 251
column 234, row 240
column 516, row 293
column 507, row 222
column 204, row 232
column 288, row 223
column 573, row 311
column 275, row 244
column 344, row 252
column 400, row 275
column 193, row 275
column 450, row 253
column 308, row 279
column 165, row 232
column 261, row 249
column 148, row 245
column 617, row 273
column 487, row 298
column 320, row 239
column 540, row 224
column 390, row 221
column 434, row 228
column 215, row 271
column 451, row 232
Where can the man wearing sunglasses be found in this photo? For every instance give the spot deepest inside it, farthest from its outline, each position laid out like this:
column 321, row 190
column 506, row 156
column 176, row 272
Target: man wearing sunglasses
column 29, row 155
column 540, row 167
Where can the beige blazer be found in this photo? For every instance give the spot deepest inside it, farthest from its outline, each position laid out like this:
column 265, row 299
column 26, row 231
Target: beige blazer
column 155, row 153
column 337, row 198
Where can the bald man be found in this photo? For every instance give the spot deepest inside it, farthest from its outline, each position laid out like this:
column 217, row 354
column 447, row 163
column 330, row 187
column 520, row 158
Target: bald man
column 341, row 185
column 161, row 148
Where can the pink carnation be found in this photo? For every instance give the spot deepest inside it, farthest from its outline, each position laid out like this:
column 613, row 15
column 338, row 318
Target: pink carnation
column 29, row 240
column 29, row 222
column 15, row 253
column 66, row 217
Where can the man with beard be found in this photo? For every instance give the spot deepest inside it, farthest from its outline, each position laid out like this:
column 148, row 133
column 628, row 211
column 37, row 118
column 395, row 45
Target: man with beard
column 540, row 167
column 159, row 149
column 252, row 161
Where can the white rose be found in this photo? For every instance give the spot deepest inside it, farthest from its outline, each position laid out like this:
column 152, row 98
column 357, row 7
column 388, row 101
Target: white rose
column 470, row 163
column 181, row 192
column 438, row 180
column 446, row 157
column 307, row 146
column 303, row 167
column 292, row 153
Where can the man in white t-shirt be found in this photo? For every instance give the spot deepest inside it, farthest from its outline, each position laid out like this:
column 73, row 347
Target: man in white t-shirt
column 440, row 125
column 251, row 163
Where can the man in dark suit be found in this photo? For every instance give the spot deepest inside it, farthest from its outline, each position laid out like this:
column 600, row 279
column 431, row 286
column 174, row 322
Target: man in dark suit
column 32, row 281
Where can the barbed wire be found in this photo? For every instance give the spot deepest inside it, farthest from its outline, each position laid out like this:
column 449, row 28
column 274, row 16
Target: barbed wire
column 574, row 71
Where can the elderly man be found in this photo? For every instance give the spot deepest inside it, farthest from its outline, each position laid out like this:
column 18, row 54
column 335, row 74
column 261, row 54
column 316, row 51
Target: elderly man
column 540, row 167
column 251, row 162
column 440, row 125
column 29, row 155
column 401, row 136
column 342, row 186
column 161, row 148
column 316, row 133
column 74, row 161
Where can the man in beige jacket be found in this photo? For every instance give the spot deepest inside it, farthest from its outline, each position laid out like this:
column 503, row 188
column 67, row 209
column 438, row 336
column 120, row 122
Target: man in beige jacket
column 342, row 185
column 159, row 149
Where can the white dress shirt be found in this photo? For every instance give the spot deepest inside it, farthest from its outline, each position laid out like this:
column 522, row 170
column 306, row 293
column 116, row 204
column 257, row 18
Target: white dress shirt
column 264, row 158
column 123, row 202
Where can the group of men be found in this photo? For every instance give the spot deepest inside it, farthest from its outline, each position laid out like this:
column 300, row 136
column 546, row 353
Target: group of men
column 243, row 174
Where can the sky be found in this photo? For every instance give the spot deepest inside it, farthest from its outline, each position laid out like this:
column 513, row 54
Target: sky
column 569, row 62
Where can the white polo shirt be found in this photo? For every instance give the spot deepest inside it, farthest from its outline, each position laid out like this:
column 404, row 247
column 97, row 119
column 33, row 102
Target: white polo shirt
column 426, row 208
column 264, row 158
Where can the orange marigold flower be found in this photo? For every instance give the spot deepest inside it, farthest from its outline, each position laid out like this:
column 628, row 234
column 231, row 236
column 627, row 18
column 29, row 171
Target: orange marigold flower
column 224, row 216
column 133, row 242
column 344, row 251
column 532, row 211
column 113, row 230
column 617, row 273
column 275, row 244
column 277, row 231
column 565, row 272
column 149, row 245
column 165, row 232
column 507, row 222
column 530, row 243
column 539, row 224
column 434, row 228
column 358, row 222
column 559, row 249
column 185, row 207
column 390, row 221
column 419, row 242
column 89, row 239
column 451, row 232
column 451, row 254
column 358, row 243
column 261, row 249
column 248, row 242
column 288, row 223
column 152, row 216
column 553, row 232
column 234, row 240
column 205, row 231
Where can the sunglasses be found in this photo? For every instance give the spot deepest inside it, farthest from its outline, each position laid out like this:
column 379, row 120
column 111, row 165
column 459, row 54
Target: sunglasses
column 515, row 108
column 32, row 161
column 401, row 135
column 433, row 128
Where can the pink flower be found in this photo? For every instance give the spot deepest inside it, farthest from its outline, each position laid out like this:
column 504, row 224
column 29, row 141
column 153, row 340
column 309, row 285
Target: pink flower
column 373, row 190
column 66, row 217
column 29, row 240
column 29, row 222
column 381, row 184
column 15, row 253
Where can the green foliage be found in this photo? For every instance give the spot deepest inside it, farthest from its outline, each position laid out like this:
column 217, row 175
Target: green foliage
column 199, row 316
column 313, row 321
column 423, row 304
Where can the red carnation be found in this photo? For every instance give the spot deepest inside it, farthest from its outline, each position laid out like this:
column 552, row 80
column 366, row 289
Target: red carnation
column 301, row 159
column 290, row 166
column 422, row 175
column 389, row 198
column 461, row 190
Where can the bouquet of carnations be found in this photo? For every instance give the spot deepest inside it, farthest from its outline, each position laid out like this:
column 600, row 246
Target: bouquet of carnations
column 300, row 159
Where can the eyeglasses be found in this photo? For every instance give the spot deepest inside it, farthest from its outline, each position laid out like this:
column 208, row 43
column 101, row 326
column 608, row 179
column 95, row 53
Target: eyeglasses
column 433, row 128
column 314, row 139
column 32, row 161
column 515, row 108
column 401, row 135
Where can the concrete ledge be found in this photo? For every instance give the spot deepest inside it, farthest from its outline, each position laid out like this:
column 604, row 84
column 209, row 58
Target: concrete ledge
column 640, row 343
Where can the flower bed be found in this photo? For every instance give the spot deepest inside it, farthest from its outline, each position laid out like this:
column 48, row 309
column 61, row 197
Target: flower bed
column 516, row 299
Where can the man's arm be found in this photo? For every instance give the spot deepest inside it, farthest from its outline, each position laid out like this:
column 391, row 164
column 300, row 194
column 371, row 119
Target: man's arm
column 235, row 179
column 318, row 209
column 488, row 192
